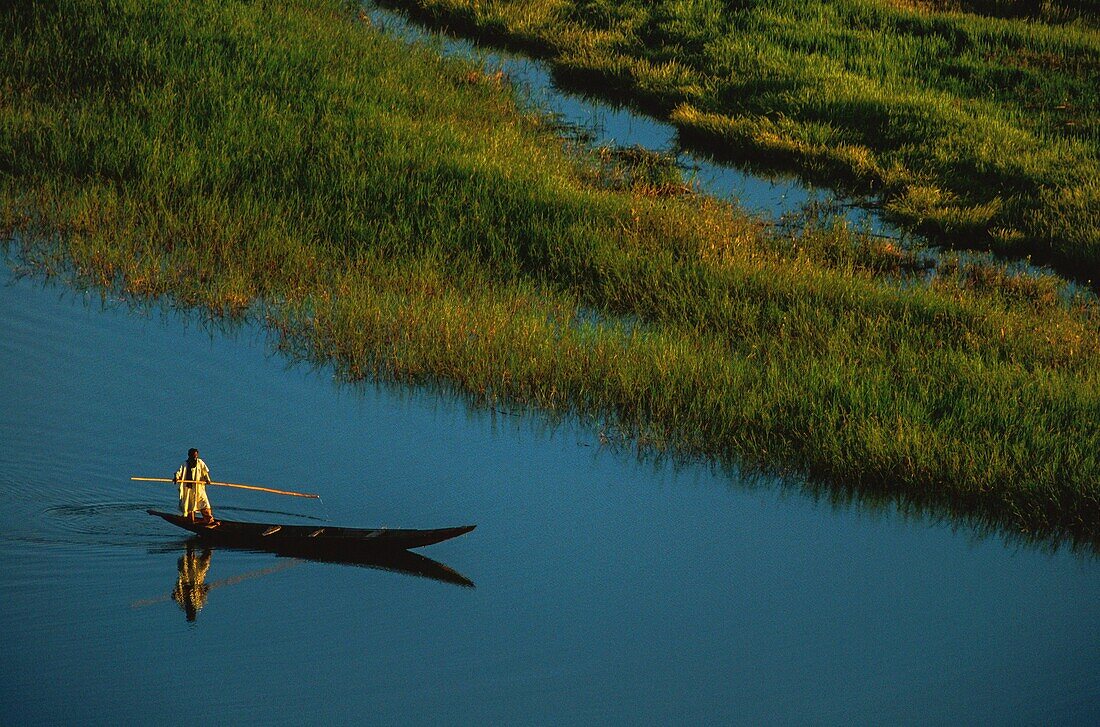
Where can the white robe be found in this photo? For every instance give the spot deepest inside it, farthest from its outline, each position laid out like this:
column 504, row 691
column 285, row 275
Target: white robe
column 193, row 497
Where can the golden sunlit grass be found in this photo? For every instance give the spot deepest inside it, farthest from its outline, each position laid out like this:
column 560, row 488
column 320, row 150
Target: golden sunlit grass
column 975, row 122
column 396, row 215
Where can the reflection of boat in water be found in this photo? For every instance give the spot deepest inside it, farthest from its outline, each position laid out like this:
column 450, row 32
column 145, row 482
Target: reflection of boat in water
column 395, row 561
column 387, row 559
column 192, row 589
column 266, row 535
column 382, row 549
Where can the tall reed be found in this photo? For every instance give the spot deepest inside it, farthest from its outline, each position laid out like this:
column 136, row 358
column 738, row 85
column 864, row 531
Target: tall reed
column 398, row 215
column 980, row 131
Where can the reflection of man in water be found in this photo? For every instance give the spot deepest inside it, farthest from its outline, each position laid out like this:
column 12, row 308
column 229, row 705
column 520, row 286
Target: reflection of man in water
column 191, row 589
column 191, row 476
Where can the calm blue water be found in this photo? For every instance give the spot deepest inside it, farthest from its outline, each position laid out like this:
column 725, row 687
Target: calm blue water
column 608, row 591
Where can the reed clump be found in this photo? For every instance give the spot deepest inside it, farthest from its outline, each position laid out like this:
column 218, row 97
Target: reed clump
column 397, row 215
column 975, row 123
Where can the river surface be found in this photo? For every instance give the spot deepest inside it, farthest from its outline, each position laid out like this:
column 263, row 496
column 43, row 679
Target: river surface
column 607, row 590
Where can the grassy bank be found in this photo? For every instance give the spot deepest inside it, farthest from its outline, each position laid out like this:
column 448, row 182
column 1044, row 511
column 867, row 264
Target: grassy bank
column 401, row 218
column 980, row 131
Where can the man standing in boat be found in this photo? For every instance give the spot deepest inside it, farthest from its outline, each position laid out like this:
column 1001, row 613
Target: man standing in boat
column 192, row 476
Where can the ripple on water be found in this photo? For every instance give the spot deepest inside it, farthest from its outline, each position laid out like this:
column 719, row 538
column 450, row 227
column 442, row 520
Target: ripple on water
column 101, row 522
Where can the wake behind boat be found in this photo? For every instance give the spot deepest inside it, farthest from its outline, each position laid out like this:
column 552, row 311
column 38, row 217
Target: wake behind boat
column 270, row 536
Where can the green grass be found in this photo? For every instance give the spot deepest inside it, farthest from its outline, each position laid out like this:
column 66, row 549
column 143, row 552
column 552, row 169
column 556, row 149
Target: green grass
column 982, row 132
column 396, row 215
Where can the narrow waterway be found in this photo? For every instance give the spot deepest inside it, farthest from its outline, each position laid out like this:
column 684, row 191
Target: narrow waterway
column 606, row 590
column 609, row 125
column 779, row 198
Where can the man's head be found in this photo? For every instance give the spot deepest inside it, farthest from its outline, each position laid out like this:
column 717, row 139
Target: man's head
column 192, row 454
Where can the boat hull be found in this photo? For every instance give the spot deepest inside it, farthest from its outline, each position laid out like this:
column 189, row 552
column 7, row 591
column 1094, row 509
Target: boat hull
column 325, row 539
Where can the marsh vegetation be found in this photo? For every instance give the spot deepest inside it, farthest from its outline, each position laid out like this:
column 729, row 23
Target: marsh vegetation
column 976, row 123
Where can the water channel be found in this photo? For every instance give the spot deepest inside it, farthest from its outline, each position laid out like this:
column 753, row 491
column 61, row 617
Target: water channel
column 781, row 198
column 606, row 589
column 604, row 124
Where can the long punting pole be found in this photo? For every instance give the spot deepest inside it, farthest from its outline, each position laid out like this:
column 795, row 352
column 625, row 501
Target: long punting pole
column 226, row 484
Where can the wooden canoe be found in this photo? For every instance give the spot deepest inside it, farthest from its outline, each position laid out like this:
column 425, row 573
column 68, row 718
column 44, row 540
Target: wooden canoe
column 269, row 536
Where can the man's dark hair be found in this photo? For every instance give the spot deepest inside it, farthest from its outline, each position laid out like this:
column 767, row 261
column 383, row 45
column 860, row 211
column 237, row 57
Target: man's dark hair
column 192, row 452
